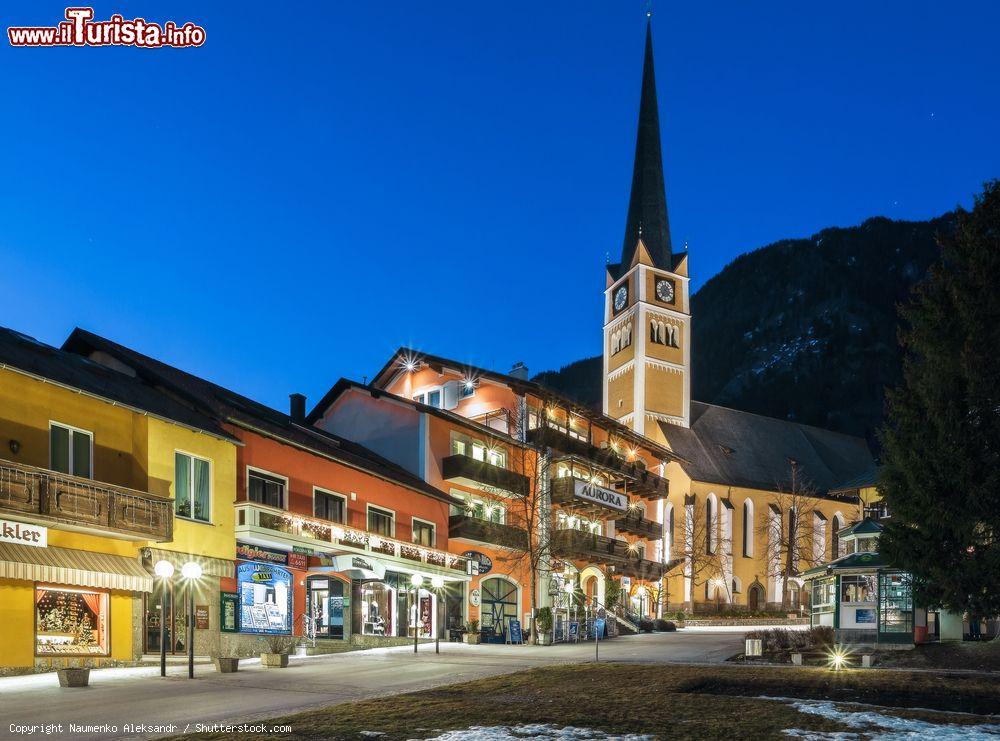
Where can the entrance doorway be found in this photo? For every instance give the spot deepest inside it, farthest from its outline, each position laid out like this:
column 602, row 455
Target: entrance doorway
column 499, row 605
column 166, row 602
column 755, row 597
column 325, row 606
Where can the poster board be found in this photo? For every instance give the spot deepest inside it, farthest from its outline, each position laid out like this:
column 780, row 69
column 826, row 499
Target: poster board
column 514, row 632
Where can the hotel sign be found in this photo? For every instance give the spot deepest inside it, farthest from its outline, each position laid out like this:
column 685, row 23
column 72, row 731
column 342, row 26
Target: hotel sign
column 18, row 532
column 599, row 495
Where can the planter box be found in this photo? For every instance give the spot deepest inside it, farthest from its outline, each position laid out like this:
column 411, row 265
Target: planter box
column 797, row 659
column 227, row 665
column 472, row 639
column 274, row 661
column 545, row 639
column 73, row 677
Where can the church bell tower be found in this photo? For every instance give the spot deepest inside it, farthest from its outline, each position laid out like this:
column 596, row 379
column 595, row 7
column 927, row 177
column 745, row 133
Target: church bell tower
column 647, row 319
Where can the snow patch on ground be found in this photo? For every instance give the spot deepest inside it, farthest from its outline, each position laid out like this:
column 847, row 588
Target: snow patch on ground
column 540, row 731
column 880, row 727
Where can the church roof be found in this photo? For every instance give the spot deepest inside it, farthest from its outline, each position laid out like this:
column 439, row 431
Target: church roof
column 734, row 448
column 647, row 208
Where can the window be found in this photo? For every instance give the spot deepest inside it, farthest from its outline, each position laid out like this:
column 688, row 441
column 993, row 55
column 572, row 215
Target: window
column 747, row 529
column 71, row 622
column 489, row 511
column 381, row 521
column 266, row 489
column 466, row 389
column 895, row 611
column 670, row 530
column 710, row 524
column 329, row 506
column 663, row 334
column 192, row 487
column 434, row 398
column 71, row 450
column 857, row 588
column 838, row 525
column 419, row 398
column 478, row 451
column 423, row 532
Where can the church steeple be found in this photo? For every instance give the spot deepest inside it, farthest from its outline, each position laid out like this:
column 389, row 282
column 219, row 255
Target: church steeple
column 647, row 208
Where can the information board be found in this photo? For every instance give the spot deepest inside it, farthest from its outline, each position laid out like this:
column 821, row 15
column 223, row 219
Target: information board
column 599, row 628
column 514, row 633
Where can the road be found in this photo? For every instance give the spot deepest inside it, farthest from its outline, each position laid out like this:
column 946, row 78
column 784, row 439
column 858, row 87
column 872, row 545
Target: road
column 139, row 696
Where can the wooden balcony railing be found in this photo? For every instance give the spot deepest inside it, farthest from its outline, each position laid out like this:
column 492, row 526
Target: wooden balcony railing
column 59, row 498
column 475, row 529
column 466, row 470
column 636, row 525
column 601, row 550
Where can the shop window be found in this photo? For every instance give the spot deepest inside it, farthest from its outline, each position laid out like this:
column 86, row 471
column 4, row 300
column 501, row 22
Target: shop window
column 192, row 479
column 423, row 533
column 857, row 588
column 71, row 450
column 71, row 622
column 266, row 489
column 381, row 521
column 377, row 602
column 329, row 506
column 265, row 598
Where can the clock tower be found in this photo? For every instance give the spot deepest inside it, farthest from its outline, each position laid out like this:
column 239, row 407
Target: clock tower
column 647, row 319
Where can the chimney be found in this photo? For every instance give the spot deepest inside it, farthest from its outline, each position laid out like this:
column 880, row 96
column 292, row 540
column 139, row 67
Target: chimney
column 297, row 407
column 519, row 370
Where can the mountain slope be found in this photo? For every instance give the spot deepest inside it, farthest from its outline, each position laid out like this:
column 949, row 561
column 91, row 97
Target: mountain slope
column 802, row 329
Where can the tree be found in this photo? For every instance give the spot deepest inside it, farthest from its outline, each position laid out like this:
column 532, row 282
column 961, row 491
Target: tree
column 527, row 542
column 705, row 547
column 941, row 473
column 788, row 530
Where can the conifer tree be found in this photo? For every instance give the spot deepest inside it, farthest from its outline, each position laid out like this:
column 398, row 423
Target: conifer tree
column 941, row 474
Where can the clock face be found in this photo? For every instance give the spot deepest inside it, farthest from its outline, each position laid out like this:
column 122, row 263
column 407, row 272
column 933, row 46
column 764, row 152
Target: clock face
column 665, row 291
column 621, row 298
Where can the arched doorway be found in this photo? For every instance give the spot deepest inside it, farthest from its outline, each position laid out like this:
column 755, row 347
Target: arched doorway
column 755, row 597
column 499, row 604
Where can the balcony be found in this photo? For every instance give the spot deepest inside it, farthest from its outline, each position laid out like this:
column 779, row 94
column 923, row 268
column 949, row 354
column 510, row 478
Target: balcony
column 53, row 498
column 465, row 527
column 467, row 471
column 269, row 526
column 633, row 478
column 636, row 525
column 604, row 551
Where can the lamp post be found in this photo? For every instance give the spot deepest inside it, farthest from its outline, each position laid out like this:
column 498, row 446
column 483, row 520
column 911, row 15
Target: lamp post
column 192, row 573
column 568, row 588
column 438, row 583
column 416, row 580
column 164, row 570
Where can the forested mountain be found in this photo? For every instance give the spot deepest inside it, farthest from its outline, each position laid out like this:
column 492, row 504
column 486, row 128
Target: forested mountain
column 803, row 329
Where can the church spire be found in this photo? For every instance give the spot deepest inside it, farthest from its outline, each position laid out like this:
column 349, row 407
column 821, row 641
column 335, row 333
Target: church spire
column 647, row 208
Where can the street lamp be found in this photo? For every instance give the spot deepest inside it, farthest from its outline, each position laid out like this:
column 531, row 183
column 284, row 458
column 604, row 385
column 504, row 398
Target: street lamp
column 164, row 570
column 416, row 580
column 568, row 587
column 192, row 573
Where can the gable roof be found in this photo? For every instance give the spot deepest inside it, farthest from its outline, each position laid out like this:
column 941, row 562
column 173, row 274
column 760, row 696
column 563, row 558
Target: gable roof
column 519, row 386
column 229, row 406
column 734, row 448
column 26, row 354
column 867, row 526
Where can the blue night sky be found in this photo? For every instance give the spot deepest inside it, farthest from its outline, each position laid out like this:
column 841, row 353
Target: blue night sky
column 321, row 183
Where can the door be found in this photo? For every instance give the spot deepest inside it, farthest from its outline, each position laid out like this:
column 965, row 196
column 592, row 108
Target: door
column 499, row 604
column 167, row 604
column 755, row 598
column 326, row 607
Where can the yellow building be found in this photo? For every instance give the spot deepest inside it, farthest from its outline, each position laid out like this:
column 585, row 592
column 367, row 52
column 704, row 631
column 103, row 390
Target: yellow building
column 100, row 475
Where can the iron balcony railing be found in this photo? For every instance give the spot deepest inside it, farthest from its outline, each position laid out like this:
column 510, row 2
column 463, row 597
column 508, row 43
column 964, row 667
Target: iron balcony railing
column 58, row 498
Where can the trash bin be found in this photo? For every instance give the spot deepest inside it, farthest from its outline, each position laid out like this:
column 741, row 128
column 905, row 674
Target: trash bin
column 920, row 634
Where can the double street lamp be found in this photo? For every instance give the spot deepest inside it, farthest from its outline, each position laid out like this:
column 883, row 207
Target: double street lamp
column 191, row 573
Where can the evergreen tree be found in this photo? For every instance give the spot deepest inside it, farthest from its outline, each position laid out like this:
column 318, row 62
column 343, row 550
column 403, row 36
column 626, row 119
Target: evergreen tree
column 941, row 477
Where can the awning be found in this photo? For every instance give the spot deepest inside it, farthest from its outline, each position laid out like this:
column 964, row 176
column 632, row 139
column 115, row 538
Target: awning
column 356, row 567
column 70, row 566
column 209, row 566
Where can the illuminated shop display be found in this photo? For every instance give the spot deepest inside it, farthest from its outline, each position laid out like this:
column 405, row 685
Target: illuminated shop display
column 71, row 622
column 265, row 594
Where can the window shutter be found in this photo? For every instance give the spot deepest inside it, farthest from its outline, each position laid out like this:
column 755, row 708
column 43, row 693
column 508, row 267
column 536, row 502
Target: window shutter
column 450, row 400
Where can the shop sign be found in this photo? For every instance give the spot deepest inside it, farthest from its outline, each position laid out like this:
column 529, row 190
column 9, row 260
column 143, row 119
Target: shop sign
column 298, row 561
column 250, row 552
column 864, row 615
column 201, row 617
column 19, row 532
column 229, row 612
column 484, row 562
column 626, row 584
column 355, row 567
column 475, row 598
column 303, row 550
column 599, row 495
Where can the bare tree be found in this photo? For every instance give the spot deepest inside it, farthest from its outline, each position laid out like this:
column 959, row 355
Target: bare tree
column 705, row 547
column 527, row 541
column 789, row 531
